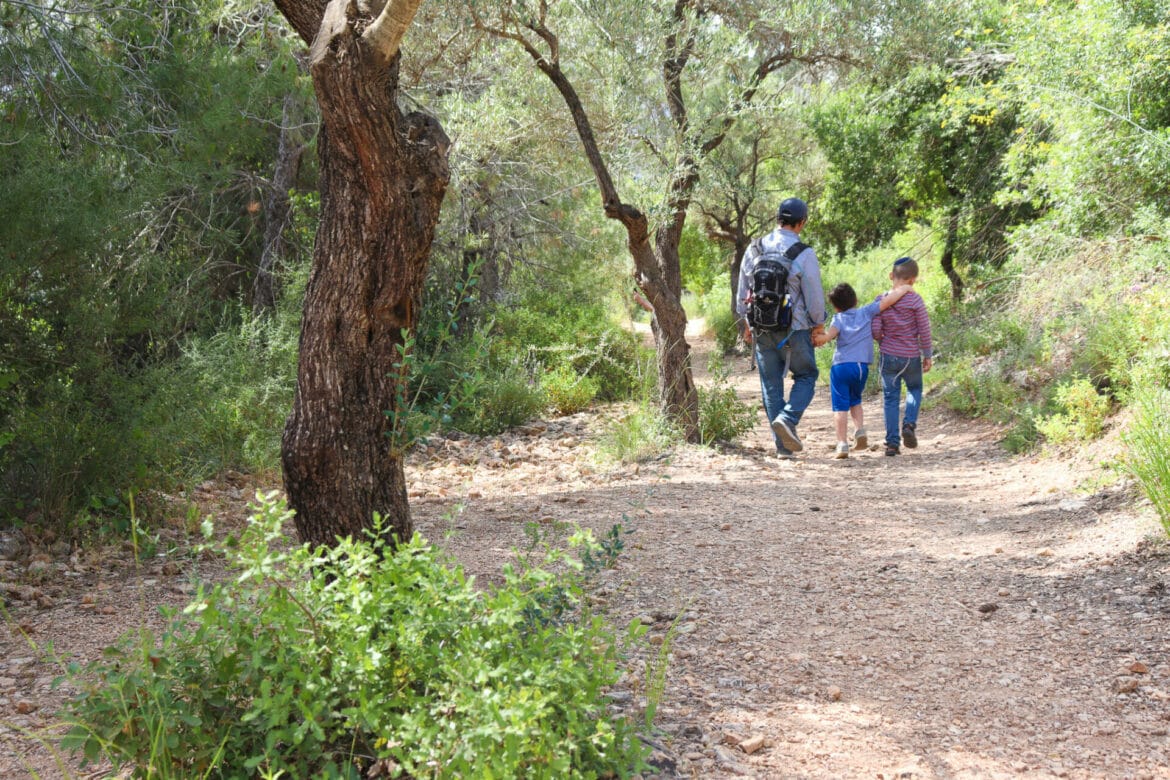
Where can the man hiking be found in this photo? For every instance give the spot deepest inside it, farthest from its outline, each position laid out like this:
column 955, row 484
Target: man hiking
column 781, row 333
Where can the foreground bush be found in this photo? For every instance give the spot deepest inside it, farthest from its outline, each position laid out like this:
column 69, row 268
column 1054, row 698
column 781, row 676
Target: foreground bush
column 1148, row 455
column 336, row 663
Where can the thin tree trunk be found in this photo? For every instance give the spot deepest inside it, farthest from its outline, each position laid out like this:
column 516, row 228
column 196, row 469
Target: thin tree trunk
column 277, row 207
column 948, row 256
column 383, row 176
column 741, row 244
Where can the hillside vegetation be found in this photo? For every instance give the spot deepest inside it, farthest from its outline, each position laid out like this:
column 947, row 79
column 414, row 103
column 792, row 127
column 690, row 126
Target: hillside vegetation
column 162, row 192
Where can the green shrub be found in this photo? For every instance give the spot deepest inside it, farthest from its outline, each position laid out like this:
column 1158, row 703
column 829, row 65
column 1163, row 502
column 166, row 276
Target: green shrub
column 1082, row 416
column 1147, row 456
column 492, row 404
column 722, row 416
column 640, row 435
column 327, row 663
column 554, row 330
column 1023, row 435
column 977, row 389
column 611, row 357
column 566, row 391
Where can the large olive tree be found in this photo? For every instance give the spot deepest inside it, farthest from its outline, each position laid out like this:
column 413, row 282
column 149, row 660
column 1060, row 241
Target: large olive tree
column 383, row 173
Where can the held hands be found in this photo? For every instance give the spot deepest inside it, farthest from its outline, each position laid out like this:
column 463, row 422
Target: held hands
column 819, row 337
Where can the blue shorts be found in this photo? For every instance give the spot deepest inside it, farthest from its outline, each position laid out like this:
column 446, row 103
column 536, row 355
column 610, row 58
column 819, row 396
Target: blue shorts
column 846, row 383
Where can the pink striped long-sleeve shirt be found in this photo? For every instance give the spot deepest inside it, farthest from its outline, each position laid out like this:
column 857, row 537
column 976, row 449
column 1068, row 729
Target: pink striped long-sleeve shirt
column 903, row 330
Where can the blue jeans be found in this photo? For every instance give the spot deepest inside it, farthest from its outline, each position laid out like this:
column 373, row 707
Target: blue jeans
column 771, row 358
column 895, row 371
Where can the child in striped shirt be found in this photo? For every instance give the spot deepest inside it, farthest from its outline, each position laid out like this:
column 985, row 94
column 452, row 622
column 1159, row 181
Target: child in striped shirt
column 903, row 336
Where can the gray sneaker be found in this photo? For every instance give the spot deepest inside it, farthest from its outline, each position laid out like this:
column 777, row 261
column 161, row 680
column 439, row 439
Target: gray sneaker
column 787, row 433
column 783, row 454
column 842, row 450
column 860, row 440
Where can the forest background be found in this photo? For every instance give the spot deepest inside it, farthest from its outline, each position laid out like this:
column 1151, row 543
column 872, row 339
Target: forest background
column 160, row 200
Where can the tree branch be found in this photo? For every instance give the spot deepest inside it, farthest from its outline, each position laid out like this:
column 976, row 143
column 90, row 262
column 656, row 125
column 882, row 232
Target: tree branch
column 385, row 35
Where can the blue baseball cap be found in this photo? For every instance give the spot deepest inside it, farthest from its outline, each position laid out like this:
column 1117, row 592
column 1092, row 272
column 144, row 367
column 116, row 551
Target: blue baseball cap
column 792, row 212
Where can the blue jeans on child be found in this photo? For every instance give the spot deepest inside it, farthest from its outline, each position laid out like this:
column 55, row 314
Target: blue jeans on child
column 798, row 353
column 895, row 371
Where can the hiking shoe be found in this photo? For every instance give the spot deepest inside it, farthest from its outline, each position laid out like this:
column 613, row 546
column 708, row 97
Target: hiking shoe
column 908, row 437
column 860, row 439
column 842, row 450
column 783, row 454
column 891, row 449
column 787, row 433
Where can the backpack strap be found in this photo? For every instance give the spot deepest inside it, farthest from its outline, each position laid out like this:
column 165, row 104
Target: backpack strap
column 794, row 251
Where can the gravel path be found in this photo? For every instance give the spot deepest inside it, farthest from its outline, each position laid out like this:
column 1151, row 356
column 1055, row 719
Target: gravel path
column 950, row 613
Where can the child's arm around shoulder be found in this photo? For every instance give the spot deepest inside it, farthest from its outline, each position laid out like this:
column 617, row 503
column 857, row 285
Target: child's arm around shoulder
column 893, row 296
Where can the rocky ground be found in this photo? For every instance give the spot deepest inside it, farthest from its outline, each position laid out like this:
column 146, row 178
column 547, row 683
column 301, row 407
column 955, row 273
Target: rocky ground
column 954, row 612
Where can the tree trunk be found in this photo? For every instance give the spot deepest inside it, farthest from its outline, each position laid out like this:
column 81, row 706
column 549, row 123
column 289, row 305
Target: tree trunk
column 948, row 256
column 383, row 176
column 277, row 207
column 741, row 244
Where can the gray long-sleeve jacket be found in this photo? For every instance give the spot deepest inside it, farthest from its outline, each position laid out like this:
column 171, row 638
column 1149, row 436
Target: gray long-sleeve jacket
column 804, row 280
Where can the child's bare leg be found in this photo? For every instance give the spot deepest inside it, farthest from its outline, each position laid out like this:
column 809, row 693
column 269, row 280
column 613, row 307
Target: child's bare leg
column 858, row 417
column 842, row 421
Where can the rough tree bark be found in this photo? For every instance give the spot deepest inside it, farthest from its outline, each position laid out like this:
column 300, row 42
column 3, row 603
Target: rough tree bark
column 383, row 176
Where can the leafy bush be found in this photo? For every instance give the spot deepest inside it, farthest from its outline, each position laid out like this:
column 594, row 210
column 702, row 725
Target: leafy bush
column 1083, row 415
column 490, row 405
column 640, row 435
column 555, row 331
column 976, row 388
column 332, row 662
column 722, row 416
column 566, row 391
column 1148, row 455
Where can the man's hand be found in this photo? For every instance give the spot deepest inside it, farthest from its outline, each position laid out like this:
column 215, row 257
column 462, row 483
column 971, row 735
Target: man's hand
column 747, row 337
column 926, row 364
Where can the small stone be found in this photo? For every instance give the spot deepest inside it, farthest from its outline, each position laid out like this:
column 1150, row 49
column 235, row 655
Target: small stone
column 24, row 707
column 1127, row 685
column 752, row 744
column 988, row 608
column 833, row 692
column 725, row 527
column 1137, row 667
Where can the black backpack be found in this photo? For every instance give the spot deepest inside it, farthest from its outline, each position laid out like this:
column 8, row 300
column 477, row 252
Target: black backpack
column 768, row 305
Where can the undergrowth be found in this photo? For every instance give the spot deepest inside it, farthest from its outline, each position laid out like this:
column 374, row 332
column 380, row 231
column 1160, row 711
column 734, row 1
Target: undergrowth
column 363, row 660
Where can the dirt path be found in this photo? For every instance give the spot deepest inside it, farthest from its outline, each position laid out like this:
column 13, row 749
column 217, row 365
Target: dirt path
column 953, row 612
